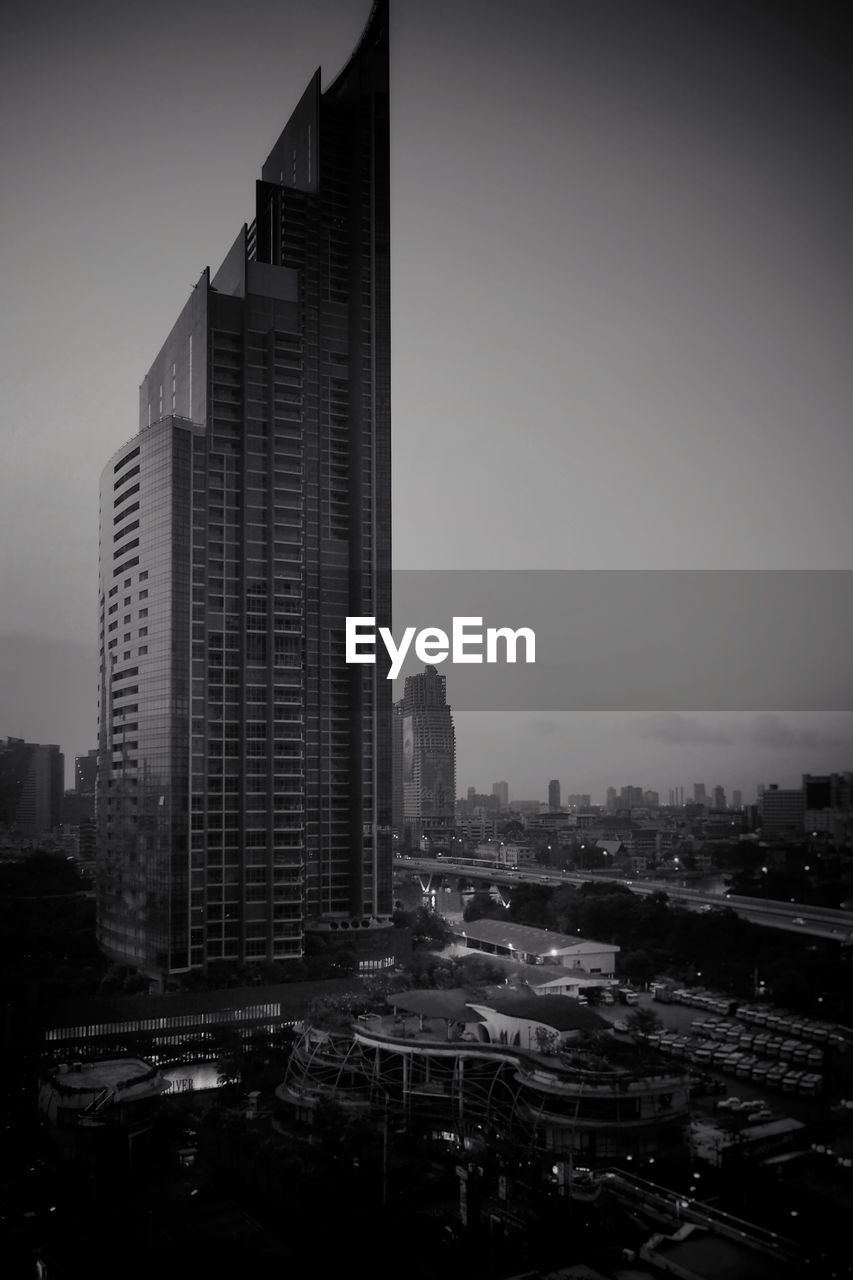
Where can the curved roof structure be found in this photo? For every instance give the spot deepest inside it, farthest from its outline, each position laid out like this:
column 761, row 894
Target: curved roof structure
column 560, row 1012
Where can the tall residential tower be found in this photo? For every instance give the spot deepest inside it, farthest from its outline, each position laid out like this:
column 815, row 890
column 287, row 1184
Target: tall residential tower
column 429, row 759
column 244, row 782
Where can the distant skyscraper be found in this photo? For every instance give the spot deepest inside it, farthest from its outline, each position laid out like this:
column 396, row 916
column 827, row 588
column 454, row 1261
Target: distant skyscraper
column 699, row 795
column 611, row 801
column 737, row 799
column 397, row 772
column 719, row 798
column 32, row 783
column 500, row 790
column 429, row 758
column 652, row 799
column 554, row 794
column 245, row 788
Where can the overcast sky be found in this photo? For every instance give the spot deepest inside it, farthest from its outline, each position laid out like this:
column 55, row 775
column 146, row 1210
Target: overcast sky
column 621, row 291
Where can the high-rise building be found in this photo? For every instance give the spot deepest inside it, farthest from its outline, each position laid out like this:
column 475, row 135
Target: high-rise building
column 828, row 791
column 554, row 793
column 828, row 801
column 719, row 797
column 651, row 799
column 500, row 790
column 579, row 800
column 699, row 793
column 429, row 758
column 397, row 771
column 244, row 781
column 32, row 780
column 737, row 799
column 611, row 802
column 782, row 811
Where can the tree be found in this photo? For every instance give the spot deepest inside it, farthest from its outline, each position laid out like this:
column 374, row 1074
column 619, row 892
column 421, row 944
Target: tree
column 547, row 1041
column 638, row 966
column 644, row 1022
column 481, row 905
column 430, row 929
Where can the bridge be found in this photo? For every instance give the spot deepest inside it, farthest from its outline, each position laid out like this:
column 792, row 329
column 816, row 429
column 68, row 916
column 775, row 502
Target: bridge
column 817, row 922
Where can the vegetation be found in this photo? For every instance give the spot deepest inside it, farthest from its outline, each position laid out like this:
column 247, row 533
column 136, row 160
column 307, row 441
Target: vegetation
column 716, row 948
column 644, row 1022
column 429, row 930
column 47, row 931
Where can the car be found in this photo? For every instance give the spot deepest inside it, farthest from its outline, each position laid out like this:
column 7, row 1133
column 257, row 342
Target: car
column 620, row 1025
column 798, row 920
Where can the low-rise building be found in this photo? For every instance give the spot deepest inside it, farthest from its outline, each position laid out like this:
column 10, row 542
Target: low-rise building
column 536, row 946
column 505, row 854
column 169, row 1028
column 95, row 1110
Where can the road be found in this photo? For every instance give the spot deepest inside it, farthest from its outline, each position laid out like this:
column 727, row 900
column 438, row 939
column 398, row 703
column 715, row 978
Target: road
column 817, row 922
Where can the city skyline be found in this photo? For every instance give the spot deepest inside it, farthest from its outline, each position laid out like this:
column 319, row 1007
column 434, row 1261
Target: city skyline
column 678, row 297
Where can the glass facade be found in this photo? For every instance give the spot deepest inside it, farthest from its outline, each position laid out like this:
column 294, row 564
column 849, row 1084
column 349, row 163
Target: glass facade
column 262, row 517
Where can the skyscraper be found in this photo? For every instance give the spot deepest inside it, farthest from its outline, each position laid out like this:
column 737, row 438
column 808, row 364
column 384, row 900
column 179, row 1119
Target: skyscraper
column 244, row 789
column 500, row 790
column 554, row 793
column 429, row 758
column 397, row 771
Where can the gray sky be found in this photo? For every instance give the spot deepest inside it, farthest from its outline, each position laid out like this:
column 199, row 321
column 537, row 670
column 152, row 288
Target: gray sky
column 621, row 302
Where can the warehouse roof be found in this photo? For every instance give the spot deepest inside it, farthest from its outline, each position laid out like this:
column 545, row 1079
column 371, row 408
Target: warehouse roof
column 520, row 937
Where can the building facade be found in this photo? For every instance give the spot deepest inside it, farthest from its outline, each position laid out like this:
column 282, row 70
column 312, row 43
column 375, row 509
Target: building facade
column 244, row 780
column 500, row 790
column 32, row 780
column 429, row 759
column 782, row 812
column 448, row 1067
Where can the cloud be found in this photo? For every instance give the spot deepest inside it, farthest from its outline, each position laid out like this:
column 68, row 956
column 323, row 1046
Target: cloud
column 677, row 728
column 768, row 731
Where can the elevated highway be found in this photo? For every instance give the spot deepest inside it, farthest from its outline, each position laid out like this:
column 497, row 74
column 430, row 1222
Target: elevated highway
column 817, row 922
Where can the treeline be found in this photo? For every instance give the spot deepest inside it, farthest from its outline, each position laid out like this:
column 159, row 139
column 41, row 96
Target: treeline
column 715, row 949
column 47, row 931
